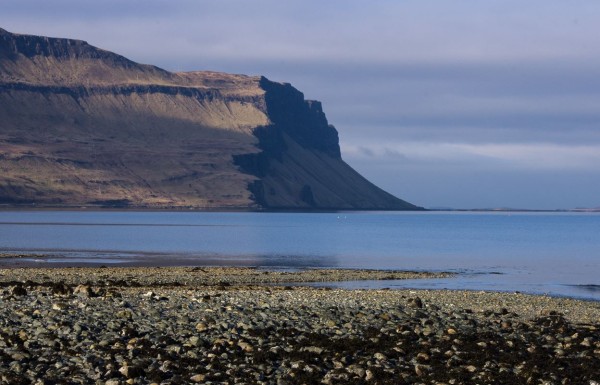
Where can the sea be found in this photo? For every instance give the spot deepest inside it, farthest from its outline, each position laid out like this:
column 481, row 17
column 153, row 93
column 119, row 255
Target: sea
column 556, row 254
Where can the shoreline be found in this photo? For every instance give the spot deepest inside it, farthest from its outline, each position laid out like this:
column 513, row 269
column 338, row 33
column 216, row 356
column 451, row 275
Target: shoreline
column 253, row 278
column 117, row 326
column 344, row 278
column 226, row 209
column 198, row 276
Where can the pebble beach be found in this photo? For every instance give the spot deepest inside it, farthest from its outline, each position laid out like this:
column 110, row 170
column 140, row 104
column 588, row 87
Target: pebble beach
column 248, row 326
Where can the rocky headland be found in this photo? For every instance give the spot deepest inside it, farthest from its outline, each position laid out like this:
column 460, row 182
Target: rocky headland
column 84, row 127
column 219, row 326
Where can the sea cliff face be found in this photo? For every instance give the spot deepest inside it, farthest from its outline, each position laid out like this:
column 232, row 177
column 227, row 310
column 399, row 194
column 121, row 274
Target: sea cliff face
column 80, row 126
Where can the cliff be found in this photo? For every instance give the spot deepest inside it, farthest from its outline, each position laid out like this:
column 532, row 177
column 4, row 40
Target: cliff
column 80, row 126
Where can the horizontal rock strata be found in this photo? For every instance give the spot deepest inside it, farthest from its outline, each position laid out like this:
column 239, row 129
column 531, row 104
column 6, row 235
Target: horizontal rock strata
column 86, row 127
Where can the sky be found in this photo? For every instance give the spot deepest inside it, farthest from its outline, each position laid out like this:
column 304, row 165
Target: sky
column 457, row 103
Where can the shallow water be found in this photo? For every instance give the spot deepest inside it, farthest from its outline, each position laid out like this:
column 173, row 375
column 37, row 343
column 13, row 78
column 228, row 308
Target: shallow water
column 554, row 253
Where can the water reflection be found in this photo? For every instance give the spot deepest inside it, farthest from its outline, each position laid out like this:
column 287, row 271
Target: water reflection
column 542, row 253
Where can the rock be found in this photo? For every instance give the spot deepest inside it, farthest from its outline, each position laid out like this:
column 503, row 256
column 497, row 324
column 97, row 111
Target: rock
column 59, row 306
column 23, row 336
column 245, row 346
column 18, row 291
column 357, row 370
column 89, row 343
column 83, row 291
column 127, row 314
column 423, row 357
column 195, row 341
column 131, row 371
column 60, row 289
column 201, row 327
column 415, row 302
column 312, row 349
column 19, row 356
column 198, row 378
column 174, row 349
column 421, row 370
column 330, row 323
column 559, row 352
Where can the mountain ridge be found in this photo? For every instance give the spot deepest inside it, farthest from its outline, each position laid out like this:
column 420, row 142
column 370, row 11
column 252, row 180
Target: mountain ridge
column 82, row 126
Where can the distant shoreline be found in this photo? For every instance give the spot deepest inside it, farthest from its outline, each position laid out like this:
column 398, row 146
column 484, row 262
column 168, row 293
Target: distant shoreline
column 25, row 208
column 184, row 209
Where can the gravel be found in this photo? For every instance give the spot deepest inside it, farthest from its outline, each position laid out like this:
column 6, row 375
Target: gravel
column 217, row 325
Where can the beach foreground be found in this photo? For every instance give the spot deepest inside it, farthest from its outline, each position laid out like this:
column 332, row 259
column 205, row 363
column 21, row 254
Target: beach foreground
column 229, row 325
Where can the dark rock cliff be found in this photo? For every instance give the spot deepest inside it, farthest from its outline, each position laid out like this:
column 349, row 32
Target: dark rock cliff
column 81, row 126
column 303, row 120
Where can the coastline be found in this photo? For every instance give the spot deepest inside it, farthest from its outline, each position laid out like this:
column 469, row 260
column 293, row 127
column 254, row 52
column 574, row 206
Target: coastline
column 233, row 278
column 244, row 209
column 232, row 325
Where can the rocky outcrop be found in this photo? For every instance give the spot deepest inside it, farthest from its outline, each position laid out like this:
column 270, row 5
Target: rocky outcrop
column 82, row 126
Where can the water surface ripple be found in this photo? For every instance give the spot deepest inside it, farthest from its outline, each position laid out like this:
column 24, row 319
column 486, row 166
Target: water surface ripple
column 553, row 253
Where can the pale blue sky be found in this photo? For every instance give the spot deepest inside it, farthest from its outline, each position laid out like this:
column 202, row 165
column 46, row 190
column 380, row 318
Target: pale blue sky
column 464, row 104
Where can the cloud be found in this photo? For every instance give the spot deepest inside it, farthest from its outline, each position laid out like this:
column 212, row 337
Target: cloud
column 482, row 156
column 382, row 31
column 365, row 151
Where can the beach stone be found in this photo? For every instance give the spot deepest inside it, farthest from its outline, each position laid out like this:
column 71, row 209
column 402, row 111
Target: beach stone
column 18, row 291
column 421, row 370
column 245, row 346
column 83, row 291
column 195, row 341
column 201, row 327
column 60, row 289
column 291, row 342
column 423, row 357
column 312, row 349
column 59, row 306
column 131, row 371
column 127, row 314
column 198, row 378
column 415, row 302
column 330, row 323
column 357, row 370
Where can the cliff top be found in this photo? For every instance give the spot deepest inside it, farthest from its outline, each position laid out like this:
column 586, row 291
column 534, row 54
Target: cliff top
column 49, row 61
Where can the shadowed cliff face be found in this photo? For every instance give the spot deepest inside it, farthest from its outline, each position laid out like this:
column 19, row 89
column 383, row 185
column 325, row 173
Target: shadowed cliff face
column 303, row 120
column 81, row 126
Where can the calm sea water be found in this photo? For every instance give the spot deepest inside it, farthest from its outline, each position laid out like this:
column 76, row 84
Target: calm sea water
column 553, row 253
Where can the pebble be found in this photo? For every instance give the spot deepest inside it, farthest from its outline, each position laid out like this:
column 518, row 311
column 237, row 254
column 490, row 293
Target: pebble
column 69, row 328
column 198, row 378
column 18, row 291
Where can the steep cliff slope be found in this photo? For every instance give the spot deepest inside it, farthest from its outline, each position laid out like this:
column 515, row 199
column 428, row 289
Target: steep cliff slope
column 81, row 126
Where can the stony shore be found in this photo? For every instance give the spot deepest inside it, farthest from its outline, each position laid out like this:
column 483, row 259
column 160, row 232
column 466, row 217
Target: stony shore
column 220, row 325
